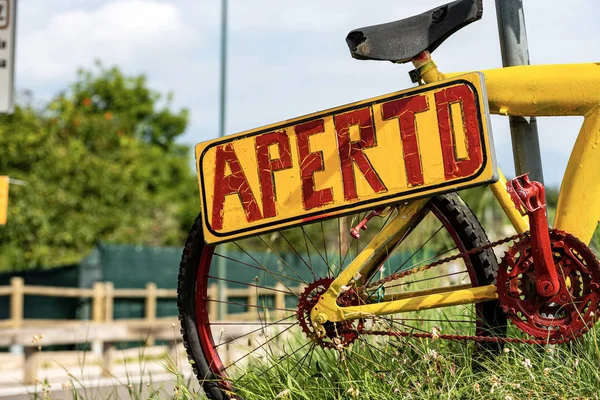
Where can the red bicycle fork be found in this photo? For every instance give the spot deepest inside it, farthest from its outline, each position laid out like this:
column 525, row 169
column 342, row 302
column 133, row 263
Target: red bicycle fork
column 530, row 198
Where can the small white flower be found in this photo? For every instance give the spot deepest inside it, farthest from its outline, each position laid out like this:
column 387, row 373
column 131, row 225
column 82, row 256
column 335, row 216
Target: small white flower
column 37, row 338
column 508, row 397
column 435, row 333
column 354, row 392
column 494, row 386
column 431, row 355
column 506, row 350
column 284, row 393
column 546, row 371
column 526, row 363
column 576, row 363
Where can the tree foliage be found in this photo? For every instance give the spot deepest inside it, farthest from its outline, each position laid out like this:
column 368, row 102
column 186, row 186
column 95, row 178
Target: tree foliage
column 100, row 162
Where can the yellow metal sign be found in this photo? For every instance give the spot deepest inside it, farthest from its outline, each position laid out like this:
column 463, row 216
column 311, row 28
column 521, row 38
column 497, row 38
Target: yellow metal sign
column 414, row 143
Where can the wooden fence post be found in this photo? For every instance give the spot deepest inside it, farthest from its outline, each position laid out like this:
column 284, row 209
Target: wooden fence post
column 17, row 301
column 30, row 364
column 213, row 307
column 97, row 302
column 108, row 354
column 150, row 309
column 97, row 313
column 109, row 301
column 253, row 301
column 280, row 300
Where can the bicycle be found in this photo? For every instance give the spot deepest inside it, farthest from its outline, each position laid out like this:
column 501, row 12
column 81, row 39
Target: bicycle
column 392, row 164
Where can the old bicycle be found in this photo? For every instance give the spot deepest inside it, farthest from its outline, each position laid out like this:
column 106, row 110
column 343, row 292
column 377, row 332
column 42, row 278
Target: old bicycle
column 278, row 203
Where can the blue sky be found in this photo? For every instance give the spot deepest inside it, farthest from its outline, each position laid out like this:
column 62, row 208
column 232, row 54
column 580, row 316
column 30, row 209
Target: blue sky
column 285, row 58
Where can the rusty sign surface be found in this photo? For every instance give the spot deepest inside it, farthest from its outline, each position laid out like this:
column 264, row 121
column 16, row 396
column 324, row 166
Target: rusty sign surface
column 414, row 143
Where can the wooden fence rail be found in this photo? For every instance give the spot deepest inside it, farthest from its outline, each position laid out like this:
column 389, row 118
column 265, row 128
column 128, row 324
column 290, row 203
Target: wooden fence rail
column 103, row 295
column 103, row 330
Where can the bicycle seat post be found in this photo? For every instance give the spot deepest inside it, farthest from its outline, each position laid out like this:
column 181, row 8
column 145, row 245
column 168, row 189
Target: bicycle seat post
column 425, row 69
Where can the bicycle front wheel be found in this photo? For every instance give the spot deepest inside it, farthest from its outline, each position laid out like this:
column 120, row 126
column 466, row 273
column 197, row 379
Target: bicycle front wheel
column 244, row 306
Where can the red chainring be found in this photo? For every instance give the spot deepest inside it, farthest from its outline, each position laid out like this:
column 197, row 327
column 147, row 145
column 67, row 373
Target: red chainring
column 572, row 311
column 336, row 334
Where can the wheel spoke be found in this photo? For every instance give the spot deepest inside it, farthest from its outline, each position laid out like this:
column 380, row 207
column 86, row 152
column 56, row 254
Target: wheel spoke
column 286, row 356
column 249, row 305
column 300, row 364
column 419, row 249
column 315, row 247
column 261, row 346
column 248, row 323
column 259, row 264
column 310, row 265
column 274, row 274
column 259, row 329
column 330, row 274
column 252, row 285
column 282, row 260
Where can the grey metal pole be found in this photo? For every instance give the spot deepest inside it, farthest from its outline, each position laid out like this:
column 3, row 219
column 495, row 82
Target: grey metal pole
column 523, row 130
column 221, row 262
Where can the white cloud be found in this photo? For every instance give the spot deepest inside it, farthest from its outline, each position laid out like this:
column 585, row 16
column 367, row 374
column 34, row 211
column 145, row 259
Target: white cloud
column 129, row 33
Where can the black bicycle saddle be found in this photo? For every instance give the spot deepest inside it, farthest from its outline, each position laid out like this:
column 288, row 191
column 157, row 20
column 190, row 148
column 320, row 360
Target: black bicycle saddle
column 400, row 41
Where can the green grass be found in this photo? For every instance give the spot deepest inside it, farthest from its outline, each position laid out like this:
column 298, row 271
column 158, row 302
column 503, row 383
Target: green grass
column 425, row 369
column 409, row 369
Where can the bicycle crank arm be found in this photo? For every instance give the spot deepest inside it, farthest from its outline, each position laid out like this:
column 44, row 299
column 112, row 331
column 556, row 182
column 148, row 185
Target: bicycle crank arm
column 529, row 198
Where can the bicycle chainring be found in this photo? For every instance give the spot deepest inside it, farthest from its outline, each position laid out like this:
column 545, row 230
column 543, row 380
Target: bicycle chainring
column 337, row 335
column 569, row 313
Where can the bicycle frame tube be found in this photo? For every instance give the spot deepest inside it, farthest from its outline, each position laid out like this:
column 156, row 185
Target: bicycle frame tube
column 560, row 90
column 554, row 90
column 518, row 221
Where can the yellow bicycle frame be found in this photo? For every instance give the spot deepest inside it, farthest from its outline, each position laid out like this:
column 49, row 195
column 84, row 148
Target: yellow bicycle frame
column 534, row 91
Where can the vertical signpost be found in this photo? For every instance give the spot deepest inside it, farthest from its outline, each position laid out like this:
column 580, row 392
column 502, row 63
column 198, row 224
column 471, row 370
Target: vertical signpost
column 221, row 266
column 523, row 130
column 7, row 55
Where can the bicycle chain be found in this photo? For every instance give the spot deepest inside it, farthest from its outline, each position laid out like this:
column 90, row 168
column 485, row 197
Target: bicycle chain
column 475, row 338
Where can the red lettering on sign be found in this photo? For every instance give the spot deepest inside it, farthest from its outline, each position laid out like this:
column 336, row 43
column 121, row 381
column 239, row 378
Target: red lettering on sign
column 454, row 168
column 267, row 166
column 234, row 183
column 405, row 109
column 353, row 151
column 311, row 162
